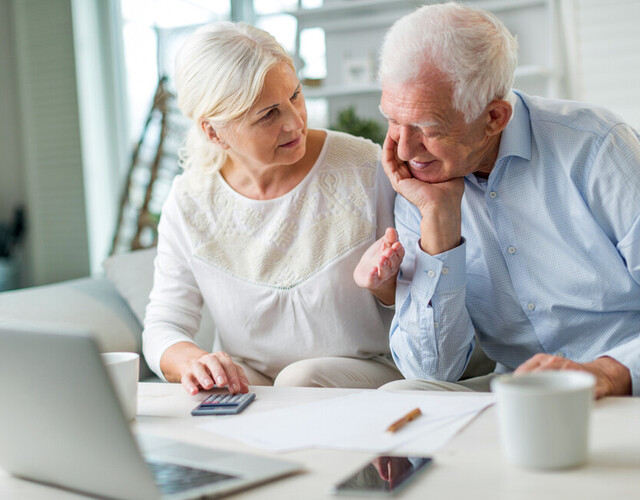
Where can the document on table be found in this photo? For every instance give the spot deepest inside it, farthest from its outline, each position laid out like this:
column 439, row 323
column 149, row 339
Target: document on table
column 357, row 422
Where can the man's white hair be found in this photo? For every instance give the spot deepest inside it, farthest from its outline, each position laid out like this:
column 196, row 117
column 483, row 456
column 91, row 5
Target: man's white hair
column 220, row 72
column 470, row 46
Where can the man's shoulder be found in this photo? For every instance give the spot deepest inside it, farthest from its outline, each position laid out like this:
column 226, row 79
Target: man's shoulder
column 569, row 114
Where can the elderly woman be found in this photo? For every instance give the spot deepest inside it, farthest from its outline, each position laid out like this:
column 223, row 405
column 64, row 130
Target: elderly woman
column 266, row 226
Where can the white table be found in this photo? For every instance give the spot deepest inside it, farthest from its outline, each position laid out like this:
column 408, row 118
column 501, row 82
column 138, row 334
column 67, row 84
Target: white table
column 470, row 466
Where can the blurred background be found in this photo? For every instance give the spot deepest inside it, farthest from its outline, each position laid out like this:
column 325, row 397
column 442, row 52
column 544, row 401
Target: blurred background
column 90, row 131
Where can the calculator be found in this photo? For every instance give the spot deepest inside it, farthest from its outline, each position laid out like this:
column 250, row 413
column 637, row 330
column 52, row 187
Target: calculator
column 223, row 404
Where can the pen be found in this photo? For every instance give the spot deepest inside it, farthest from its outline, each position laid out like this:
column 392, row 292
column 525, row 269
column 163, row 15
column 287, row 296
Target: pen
column 401, row 422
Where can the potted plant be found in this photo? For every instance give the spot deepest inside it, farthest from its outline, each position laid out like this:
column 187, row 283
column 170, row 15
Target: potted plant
column 351, row 123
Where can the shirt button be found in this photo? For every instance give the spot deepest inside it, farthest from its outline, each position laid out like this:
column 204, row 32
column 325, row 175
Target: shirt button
column 531, row 306
column 445, row 270
column 511, row 250
column 431, row 274
column 493, row 194
column 436, row 325
column 560, row 354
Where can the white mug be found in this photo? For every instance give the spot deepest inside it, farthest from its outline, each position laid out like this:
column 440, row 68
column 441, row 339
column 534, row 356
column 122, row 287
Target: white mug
column 124, row 368
column 544, row 417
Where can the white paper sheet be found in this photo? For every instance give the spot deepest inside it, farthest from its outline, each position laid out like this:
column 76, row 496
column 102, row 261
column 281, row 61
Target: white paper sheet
column 357, row 422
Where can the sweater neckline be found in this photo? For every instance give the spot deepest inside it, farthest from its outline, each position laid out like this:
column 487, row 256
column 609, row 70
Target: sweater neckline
column 291, row 193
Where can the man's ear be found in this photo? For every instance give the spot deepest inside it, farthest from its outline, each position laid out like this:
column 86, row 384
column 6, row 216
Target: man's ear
column 499, row 112
column 211, row 134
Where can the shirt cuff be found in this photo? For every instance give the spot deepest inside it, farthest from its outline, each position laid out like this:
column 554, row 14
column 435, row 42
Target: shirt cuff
column 627, row 355
column 446, row 270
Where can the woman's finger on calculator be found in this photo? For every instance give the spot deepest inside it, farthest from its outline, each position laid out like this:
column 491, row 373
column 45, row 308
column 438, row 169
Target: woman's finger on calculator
column 234, row 373
column 199, row 375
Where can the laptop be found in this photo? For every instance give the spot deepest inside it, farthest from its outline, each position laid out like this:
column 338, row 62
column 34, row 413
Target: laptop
column 62, row 425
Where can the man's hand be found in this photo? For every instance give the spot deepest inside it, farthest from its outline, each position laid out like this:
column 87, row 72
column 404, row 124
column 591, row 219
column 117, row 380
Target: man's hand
column 439, row 203
column 612, row 377
column 379, row 266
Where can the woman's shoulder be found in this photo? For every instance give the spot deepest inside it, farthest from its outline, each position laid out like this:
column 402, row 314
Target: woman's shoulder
column 346, row 147
column 351, row 140
column 194, row 189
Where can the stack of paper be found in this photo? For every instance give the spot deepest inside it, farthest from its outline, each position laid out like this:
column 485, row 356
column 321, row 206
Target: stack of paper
column 357, row 422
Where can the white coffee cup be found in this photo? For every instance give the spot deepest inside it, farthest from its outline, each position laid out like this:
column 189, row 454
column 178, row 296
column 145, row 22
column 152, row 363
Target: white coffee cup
column 123, row 368
column 544, row 417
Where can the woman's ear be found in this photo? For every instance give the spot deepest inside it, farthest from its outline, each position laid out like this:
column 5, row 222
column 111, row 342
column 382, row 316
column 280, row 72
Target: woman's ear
column 500, row 112
column 211, row 134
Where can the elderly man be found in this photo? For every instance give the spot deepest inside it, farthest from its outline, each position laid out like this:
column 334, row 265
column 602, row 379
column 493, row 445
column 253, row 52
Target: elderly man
column 519, row 215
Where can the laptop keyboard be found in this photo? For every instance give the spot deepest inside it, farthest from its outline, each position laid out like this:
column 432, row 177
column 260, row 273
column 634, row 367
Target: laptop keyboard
column 173, row 478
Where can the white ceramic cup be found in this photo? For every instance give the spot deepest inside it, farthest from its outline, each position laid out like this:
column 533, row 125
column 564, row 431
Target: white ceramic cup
column 544, row 417
column 124, row 368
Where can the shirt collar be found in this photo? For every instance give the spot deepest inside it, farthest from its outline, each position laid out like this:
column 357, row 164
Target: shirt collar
column 516, row 137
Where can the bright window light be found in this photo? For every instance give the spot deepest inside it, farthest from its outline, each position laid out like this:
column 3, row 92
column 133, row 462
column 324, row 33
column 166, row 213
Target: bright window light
column 312, row 52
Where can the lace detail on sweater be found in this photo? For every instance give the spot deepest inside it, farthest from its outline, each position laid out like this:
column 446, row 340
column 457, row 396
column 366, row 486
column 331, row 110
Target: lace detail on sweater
column 282, row 242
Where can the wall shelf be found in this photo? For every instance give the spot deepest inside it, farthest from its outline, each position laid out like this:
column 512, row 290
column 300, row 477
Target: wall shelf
column 354, row 30
column 344, row 90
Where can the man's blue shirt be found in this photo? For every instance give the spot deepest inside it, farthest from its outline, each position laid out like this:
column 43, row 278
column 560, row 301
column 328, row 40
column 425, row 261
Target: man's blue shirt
column 550, row 258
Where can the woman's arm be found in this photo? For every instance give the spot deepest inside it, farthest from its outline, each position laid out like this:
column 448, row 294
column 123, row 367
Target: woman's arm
column 173, row 315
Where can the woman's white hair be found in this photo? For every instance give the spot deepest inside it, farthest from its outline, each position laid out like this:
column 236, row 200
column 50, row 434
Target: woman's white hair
column 220, row 72
column 471, row 47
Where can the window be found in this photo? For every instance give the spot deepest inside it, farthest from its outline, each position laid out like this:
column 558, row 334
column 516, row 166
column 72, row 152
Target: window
column 152, row 32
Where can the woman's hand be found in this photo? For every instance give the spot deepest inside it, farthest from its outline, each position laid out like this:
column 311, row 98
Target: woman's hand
column 379, row 266
column 197, row 370
column 201, row 373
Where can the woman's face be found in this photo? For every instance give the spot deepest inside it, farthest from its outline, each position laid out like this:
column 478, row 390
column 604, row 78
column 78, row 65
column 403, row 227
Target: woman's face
column 274, row 130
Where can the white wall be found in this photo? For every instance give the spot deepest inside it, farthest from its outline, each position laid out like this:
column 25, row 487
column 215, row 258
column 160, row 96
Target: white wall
column 11, row 178
column 46, row 144
column 102, row 114
column 609, row 53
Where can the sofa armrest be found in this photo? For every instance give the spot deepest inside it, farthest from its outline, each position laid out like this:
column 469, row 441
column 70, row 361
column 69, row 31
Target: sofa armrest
column 93, row 304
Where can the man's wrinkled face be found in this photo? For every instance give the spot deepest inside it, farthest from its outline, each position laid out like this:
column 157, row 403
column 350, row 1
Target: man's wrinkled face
column 431, row 136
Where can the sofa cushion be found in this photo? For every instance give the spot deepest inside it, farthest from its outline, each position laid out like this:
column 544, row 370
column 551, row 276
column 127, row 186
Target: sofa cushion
column 132, row 275
column 87, row 303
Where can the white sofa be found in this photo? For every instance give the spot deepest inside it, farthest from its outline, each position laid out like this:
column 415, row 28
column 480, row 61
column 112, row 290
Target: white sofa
column 112, row 308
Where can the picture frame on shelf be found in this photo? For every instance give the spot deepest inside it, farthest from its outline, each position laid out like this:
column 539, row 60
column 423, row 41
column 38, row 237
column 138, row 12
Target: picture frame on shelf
column 358, row 71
